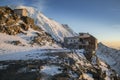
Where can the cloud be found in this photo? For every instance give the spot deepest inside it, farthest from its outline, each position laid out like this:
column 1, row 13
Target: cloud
column 39, row 4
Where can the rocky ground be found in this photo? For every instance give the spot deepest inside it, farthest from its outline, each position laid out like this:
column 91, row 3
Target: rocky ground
column 55, row 66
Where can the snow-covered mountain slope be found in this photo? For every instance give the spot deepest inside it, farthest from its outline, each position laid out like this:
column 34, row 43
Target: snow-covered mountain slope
column 20, row 34
column 69, row 29
column 109, row 55
column 52, row 27
column 10, row 44
column 19, row 47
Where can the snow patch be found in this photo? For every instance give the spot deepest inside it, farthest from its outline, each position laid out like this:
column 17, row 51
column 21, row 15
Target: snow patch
column 51, row 70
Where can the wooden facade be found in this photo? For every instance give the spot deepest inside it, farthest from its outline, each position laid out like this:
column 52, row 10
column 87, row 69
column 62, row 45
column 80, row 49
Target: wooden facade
column 87, row 41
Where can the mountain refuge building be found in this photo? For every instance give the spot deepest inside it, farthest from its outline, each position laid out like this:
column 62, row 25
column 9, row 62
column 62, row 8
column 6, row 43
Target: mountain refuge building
column 83, row 41
column 21, row 12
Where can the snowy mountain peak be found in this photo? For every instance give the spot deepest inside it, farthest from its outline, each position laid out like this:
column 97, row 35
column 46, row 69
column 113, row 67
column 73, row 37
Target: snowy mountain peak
column 55, row 29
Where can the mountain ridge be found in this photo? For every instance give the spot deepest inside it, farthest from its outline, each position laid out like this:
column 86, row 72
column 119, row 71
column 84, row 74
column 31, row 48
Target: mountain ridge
column 109, row 55
column 57, row 31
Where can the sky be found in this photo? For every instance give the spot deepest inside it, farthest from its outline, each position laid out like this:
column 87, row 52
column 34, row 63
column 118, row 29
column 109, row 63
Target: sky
column 100, row 18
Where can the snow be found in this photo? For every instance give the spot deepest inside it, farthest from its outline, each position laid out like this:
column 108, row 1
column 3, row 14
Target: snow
column 29, row 34
column 106, row 70
column 51, row 70
column 80, row 52
column 6, row 47
column 32, row 53
column 3, row 67
column 24, row 69
column 74, row 75
column 78, row 56
column 110, row 56
column 87, row 76
column 25, row 55
column 10, row 51
column 52, row 27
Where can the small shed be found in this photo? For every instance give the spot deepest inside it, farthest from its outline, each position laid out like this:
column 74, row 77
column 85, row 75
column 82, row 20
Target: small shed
column 21, row 12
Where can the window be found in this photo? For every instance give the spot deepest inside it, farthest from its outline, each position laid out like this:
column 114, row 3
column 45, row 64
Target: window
column 74, row 40
column 81, row 34
column 81, row 40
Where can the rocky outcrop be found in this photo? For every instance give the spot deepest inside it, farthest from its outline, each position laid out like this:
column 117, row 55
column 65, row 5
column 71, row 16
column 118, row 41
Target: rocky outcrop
column 12, row 24
column 16, row 43
column 42, row 39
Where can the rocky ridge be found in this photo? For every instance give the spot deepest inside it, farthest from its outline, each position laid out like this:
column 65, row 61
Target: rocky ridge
column 109, row 55
column 12, row 24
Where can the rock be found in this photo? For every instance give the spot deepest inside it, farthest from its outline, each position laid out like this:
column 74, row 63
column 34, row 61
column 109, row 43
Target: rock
column 15, row 42
column 27, row 20
column 24, row 26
